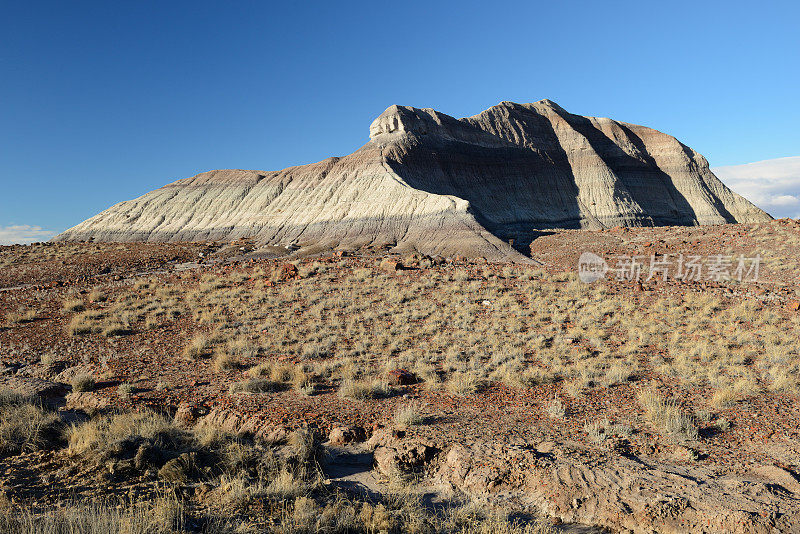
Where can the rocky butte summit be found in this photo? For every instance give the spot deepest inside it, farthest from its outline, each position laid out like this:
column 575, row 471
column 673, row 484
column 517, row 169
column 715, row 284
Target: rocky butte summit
column 428, row 182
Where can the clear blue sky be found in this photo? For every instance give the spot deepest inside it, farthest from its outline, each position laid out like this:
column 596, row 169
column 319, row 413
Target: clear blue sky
column 103, row 101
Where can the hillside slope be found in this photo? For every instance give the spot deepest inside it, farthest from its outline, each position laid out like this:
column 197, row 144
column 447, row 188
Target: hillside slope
column 429, row 182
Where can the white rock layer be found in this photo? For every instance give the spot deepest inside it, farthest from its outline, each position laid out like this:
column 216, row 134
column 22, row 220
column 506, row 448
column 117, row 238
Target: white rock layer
column 440, row 185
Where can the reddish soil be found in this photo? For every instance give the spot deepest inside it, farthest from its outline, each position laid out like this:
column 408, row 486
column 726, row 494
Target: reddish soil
column 764, row 430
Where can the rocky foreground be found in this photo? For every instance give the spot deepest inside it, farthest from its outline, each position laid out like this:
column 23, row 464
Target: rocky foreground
column 480, row 186
column 667, row 405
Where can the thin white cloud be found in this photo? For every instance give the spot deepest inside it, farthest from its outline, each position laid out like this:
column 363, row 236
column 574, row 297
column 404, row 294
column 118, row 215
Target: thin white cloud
column 784, row 200
column 772, row 185
column 23, row 233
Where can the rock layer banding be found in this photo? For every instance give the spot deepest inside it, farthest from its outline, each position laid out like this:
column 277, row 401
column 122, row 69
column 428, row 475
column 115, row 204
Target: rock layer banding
column 428, row 182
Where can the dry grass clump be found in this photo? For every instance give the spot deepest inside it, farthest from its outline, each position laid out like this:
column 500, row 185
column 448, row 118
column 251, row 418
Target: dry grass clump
column 180, row 455
column 241, row 348
column 517, row 375
column 727, row 396
column 21, row 316
column 286, row 485
column 73, row 305
column 404, row 513
column 82, row 383
column 79, row 326
column 555, row 409
column 603, row 429
column 240, row 470
column 302, row 444
column 224, row 361
column 86, row 323
column 25, row 424
column 198, row 347
column 363, row 390
column 115, row 328
column 785, row 382
column 618, row 373
column 96, row 436
column 255, row 385
column 409, row 415
column 277, row 371
column 159, row 516
column 464, row 383
column 668, row 417
column 49, row 360
column 722, row 424
column 255, row 474
column 298, row 375
column 306, row 384
column 125, row 390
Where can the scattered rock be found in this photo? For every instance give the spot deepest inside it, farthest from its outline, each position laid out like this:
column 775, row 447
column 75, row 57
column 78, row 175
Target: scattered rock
column 69, row 373
column 10, row 368
column 186, row 414
column 391, row 265
column 285, row 271
column 381, row 437
column 622, row 493
column 776, row 474
column 86, row 401
column 243, row 424
column 685, row 454
column 412, row 260
column 402, row 377
column 341, row 435
column 546, row 447
column 793, row 306
column 404, row 458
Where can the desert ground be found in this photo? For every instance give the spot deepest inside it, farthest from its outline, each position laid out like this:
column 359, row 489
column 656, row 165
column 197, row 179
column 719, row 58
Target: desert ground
column 201, row 387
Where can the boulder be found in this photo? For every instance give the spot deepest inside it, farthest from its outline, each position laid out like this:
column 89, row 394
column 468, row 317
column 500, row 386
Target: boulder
column 285, row 271
column 382, row 437
column 406, row 457
column 86, row 401
column 342, row 435
column 186, row 414
column 391, row 265
column 402, row 377
column 624, row 494
column 243, row 424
